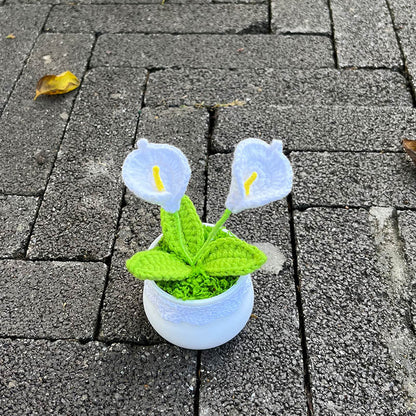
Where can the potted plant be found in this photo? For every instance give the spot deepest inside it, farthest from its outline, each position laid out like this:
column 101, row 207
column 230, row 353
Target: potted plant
column 198, row 291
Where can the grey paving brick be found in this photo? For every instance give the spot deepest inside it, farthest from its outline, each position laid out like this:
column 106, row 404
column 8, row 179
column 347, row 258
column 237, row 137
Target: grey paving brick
column 63, row 377
column 403, row 11
column 407, row 232
column 123, row 316
column 404, row 18
column 353, row 325
column 316, row 127
column 300, row 16
column 278, row 87
column 224, row 18
column 213, row 51
column 407, row 227
column 187, row 129
column 50, row 299
column 356, row 179
column 364, row 34
column 24, row 23
column 260, row 371
column 17, row 215
column 31, row 131
column 79, row 213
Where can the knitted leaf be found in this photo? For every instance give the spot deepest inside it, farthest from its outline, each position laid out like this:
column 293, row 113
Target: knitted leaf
column 230, row 256
column 156, row 264
column 192, row 229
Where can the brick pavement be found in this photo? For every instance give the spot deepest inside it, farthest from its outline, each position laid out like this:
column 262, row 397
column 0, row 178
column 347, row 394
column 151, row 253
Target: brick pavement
column 333, row 330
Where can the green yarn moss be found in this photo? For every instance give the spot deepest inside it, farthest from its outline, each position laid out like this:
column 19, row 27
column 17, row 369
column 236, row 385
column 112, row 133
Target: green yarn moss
column 201, row 286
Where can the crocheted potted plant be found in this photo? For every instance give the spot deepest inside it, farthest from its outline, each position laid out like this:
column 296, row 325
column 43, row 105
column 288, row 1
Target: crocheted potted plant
column 198, row 291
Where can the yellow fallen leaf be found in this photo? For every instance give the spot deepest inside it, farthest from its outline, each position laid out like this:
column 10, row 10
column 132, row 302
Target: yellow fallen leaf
column 11, row 36
column 410, row 147
column 56, row 84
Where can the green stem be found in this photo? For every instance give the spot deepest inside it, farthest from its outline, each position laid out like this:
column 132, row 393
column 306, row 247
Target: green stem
column 212, row 234
column 181, row 242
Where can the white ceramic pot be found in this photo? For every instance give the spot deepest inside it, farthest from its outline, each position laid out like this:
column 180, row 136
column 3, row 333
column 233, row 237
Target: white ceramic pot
column 202, row 323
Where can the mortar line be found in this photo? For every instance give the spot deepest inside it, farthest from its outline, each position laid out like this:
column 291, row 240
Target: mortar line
column 32, row 225
column 289, row 151
column 304, row 207
column 393, row 68
column 377, row 152
column 213, row 113
column 300, row 34
column 143, row 32
column 81, row 341
column 225, row 68
column 107, row 275
column 76, row 94
column 405, row 72
column 269, row 15
column 334, row 49
column 120, row 212
column 25, row 61
column 299, row 304
column 55, row 259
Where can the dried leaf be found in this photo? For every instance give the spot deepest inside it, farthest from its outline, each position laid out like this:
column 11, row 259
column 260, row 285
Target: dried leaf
column 11, row 36
column 56, row 84
column 410, row 147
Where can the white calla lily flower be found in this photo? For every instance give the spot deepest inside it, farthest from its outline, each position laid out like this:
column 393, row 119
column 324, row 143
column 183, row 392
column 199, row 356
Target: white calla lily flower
column 157, row 173
column 261, row 174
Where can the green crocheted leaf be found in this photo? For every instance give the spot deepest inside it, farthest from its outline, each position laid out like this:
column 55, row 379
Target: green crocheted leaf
column 230, row 256
column 192, row 229
column 156, row 264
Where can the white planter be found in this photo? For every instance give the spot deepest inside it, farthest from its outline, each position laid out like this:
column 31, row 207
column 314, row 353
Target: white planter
column 202, row 323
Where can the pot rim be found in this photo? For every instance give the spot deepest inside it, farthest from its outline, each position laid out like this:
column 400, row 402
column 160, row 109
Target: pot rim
column 200, row 302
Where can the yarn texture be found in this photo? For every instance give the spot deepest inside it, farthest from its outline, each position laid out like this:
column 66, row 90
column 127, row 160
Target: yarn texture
column 190, row 231
column 173, row 172
column 224, row 257
column 273, row 175
column 192, row 260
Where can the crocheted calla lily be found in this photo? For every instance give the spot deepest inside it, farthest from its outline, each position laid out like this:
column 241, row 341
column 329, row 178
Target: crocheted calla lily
column 261, row 174
column 157, row 173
